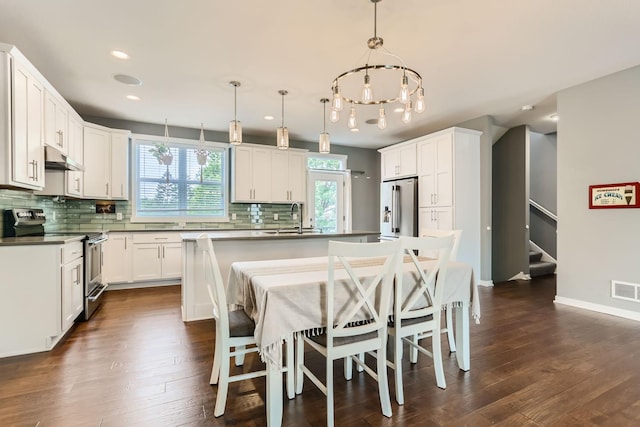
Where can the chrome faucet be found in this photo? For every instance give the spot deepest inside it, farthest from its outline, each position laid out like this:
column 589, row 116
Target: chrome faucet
column 299, row 206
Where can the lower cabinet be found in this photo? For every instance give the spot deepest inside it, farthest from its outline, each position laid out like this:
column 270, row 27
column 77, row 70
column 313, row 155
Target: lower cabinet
column 143, row 256
column 438, row 218
column 72, row 284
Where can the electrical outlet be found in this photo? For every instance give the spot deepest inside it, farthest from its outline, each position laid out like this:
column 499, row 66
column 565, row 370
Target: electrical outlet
column 275, row 217
column 234, row 217
column 119, row 216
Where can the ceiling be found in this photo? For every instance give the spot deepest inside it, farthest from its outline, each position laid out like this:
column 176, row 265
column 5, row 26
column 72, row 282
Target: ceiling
column 476, row 58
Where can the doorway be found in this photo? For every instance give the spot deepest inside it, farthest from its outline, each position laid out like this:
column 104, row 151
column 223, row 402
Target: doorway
column 328, row 193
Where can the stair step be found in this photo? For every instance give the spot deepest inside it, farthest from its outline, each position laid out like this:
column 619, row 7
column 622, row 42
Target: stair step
column 534, row 256
column 541, row 268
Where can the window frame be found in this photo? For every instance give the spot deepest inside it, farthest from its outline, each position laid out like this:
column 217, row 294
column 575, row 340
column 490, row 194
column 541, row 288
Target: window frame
column 137, row 139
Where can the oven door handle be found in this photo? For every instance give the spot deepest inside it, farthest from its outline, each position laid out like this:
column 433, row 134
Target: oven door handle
column 100, row 240
column 94, row 298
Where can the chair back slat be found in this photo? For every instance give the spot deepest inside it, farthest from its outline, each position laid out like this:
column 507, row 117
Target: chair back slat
column 426, row 296
column 432, row 232
column 213, row 279
column 370, row 301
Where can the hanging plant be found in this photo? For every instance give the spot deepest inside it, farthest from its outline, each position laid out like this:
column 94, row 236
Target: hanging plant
column 162, row 153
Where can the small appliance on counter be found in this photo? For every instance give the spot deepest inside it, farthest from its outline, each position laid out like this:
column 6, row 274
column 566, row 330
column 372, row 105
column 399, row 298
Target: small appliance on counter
column 399, row 208
column 25, row 222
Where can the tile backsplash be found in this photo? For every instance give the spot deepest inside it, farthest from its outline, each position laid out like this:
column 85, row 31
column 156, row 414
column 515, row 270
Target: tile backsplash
column 75, row 214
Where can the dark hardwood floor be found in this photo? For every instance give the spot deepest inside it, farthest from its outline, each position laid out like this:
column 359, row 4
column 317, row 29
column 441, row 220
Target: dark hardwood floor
column 137, row 364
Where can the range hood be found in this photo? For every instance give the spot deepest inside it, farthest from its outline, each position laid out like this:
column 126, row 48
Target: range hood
column 54, row 159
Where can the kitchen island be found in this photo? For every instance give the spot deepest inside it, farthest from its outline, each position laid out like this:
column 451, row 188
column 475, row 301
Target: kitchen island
column 248, row 245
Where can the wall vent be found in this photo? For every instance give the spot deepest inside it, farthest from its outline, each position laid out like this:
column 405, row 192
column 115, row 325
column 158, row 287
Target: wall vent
column 625, row 290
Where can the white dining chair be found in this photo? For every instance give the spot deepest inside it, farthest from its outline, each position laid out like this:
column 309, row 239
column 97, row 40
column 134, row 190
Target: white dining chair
column 234, row 333
column 346, row 334
column 417, row 307
column 448, row 327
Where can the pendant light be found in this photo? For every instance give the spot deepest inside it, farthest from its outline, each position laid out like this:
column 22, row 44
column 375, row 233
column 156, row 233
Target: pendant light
column 324, row 144
column 202, row 155
column 283, row 132
column 235, row 127
column 167, row 157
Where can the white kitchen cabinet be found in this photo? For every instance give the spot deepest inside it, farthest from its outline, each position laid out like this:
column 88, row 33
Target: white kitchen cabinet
column 288, row 176
column 449, row 188
column 105, row 163
column 118, row 258
column 72, row 284
column 56, row 123
column 74, row 180
column 157, row 256
column 398, row 161
column 435, row 170
column 251, row 174
column 21, row 122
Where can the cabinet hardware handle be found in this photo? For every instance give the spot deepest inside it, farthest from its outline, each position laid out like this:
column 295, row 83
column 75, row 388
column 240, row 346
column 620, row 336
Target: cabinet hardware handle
column 125, row 243
column 37, row 175
column 77, row 184
column 60, row 138
column 122, row 190
column 107, row 185
column 158, row 252
column 163, row 252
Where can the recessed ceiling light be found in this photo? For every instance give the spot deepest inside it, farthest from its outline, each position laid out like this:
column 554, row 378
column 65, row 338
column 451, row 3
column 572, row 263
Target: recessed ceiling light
column 355, row 130
column 527, row 107
column 120, row 54
column 127, row 80
column 398, row 110
column 371, row 121
column 554, row 117
column 133, row 97
column 269, row 117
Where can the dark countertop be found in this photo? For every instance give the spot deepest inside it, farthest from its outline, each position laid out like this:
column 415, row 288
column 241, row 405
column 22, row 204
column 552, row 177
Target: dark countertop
column 264, row 234
column 40, row 240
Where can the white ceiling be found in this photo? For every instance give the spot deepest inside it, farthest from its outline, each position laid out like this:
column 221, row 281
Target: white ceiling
column 476, row 57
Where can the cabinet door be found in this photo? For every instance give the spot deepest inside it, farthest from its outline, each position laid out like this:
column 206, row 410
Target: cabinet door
column 435, row 218
column 147, row 261
column 27, row 153
column 444, row 170
column 118, row 258
column 242, row 184
column 280, row 176
column 297, row 177
column 55, row 123
column 171, row 260
column 427, row 173
column 390, row 164
column 119, row 166
column 75, row 179
column 97, row 163
column 261, row 174
column 71, row 285
column 408, row 163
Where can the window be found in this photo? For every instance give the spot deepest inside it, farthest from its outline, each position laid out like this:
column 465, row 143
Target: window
column 326, row 161
column 178, row 180
column 328, row 193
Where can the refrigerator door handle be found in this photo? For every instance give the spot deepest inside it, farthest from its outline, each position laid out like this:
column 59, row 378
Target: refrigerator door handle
column 395, row 208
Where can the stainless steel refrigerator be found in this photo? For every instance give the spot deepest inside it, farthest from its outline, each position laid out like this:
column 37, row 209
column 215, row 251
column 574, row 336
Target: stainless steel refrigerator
column 399, row 208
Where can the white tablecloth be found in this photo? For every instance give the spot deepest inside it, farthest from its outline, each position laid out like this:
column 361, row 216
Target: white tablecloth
column 287, row 296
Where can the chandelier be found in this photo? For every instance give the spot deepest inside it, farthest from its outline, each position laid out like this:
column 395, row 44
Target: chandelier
column 394, row 84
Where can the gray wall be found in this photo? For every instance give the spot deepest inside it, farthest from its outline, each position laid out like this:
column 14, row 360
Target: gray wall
column 543, row 190
column 598, row 143
column 365, row 187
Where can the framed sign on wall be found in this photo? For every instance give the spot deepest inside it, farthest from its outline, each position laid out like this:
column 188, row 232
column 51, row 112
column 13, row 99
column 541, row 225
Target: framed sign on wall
column 610, row 196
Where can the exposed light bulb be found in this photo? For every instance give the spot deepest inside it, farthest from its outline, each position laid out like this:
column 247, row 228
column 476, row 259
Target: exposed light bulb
column 324, row 144
column 352, row 124
column 382, row 119
column 235, row 132
column 337, row 103
column 367, row 91
column 404, row 89
column 283, row 138
column 334, row 116
column 406, row 114
column 420, row 104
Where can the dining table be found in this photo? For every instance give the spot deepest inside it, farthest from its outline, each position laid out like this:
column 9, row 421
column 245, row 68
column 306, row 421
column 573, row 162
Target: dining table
column 286, row 296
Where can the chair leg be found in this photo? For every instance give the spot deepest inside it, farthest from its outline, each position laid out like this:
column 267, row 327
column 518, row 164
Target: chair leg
column 240, row 357
column 436, row 347
column 383, row 383
column 397, row 368
column 450, row 337
column 291, row 368
column 413, row 351
column 299, row 362
column 329, row 385
column 217, row 353
column 223, row 383
column 348, row 368
column 359, row 368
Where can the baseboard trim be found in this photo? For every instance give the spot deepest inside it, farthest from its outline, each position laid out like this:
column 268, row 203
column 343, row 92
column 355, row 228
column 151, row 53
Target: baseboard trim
column 604, row 309
column 138, row 285
column 487, row 283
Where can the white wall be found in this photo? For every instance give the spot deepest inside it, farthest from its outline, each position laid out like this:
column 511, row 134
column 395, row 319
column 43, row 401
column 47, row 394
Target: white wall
column 598, row 143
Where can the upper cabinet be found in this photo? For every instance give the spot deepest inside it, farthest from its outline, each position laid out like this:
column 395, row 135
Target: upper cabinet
column 398, row 161
column 21, row 122
column 435, row 169
column 106, row 156
column 56, row 123
column 261, row 174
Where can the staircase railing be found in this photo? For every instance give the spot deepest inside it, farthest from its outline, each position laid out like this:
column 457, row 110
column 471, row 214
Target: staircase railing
column 544, row 210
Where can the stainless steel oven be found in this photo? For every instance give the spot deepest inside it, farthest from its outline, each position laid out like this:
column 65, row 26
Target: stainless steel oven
column 94, row 286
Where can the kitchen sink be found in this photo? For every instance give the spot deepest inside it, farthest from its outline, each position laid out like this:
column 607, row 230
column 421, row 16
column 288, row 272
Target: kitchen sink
column 289, row 231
